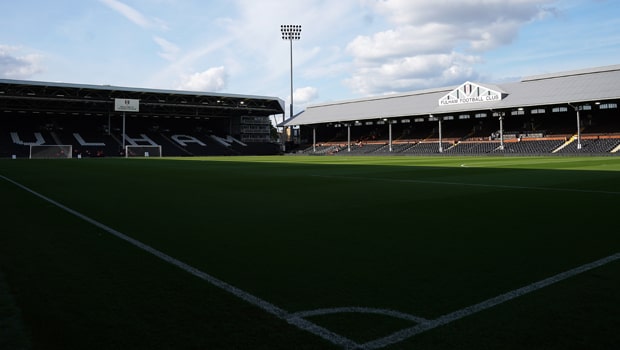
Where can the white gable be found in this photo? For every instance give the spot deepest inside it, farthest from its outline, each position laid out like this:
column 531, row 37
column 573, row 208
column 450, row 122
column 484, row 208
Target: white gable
column 470, row 93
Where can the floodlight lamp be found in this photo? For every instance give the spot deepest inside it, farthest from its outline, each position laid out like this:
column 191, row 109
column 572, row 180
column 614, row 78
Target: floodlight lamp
column 291, row 31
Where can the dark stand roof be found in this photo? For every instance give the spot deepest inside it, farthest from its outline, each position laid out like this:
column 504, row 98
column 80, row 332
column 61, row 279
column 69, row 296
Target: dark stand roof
column 34, row 96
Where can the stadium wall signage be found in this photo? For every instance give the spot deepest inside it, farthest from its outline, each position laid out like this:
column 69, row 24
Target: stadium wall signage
column 470, row 93
column 126, row 105
column 143, row 140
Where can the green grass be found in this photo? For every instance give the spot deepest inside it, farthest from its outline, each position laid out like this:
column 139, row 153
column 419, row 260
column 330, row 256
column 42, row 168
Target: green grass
column 420, row 235
column 12, row 333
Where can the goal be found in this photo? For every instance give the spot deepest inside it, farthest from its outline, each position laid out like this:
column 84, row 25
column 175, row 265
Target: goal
column 142, row 151
column 50, row 151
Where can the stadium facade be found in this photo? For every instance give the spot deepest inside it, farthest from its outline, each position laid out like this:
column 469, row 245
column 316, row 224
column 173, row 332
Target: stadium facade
column 568, row 110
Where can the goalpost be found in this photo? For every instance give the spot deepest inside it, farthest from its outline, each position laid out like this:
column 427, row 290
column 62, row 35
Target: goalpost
column 50, row 151
column 142, row 151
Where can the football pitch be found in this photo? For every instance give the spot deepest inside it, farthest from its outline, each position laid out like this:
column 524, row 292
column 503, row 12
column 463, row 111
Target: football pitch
column 303, row 252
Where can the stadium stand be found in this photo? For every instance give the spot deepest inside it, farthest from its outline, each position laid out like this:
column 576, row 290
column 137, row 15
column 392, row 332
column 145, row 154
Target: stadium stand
column 183, row 123
column 532, row 116
column 545, row 114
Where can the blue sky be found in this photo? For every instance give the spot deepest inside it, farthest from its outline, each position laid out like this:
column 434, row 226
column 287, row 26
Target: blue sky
column 348, row 49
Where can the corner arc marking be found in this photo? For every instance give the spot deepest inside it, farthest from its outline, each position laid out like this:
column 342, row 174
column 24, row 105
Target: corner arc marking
column 357, row 309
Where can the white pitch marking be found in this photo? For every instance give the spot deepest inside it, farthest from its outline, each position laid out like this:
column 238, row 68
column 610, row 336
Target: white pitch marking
column 363, row 310
column 487, row 304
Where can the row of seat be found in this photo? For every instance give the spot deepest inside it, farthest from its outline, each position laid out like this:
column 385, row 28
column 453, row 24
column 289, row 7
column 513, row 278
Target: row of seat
column 588, row 145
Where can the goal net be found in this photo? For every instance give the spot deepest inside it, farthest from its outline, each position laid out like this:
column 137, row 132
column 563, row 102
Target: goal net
column 142, row 151
column 50, row 151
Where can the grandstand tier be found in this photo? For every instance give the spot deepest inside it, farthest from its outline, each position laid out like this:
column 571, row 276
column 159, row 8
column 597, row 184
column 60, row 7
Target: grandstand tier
column 562, row 113
column 184, row 123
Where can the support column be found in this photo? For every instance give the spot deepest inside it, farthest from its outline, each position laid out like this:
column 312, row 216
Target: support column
column 313, row 139
column 439, row 120
column 390, row 134
column 348, row 137
column 501, row 131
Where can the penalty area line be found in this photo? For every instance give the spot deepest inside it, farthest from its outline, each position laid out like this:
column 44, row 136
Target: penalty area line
column 292, row 319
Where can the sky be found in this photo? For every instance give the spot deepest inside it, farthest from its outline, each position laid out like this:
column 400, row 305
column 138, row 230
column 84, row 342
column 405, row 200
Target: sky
column 349, row 49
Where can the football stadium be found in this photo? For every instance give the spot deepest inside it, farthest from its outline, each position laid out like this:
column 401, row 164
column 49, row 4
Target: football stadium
column 476, row 216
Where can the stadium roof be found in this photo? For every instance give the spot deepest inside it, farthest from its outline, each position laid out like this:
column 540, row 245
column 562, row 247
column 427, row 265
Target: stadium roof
column 35, row 96
column 574, row 87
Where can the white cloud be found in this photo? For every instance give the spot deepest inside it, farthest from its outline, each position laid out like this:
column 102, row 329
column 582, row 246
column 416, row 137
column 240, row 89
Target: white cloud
column 134, row 15
column 169, row 51
column 305, row 95
column 14, row 65
column 412, row 73
column 435, row 42
column 212, row 79
column 482, row 25
column 403, row 41
column 463, row 12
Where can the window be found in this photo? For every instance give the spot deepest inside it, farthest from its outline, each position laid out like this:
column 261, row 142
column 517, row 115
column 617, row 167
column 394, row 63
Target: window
column 559, row 109
column 608, row 106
